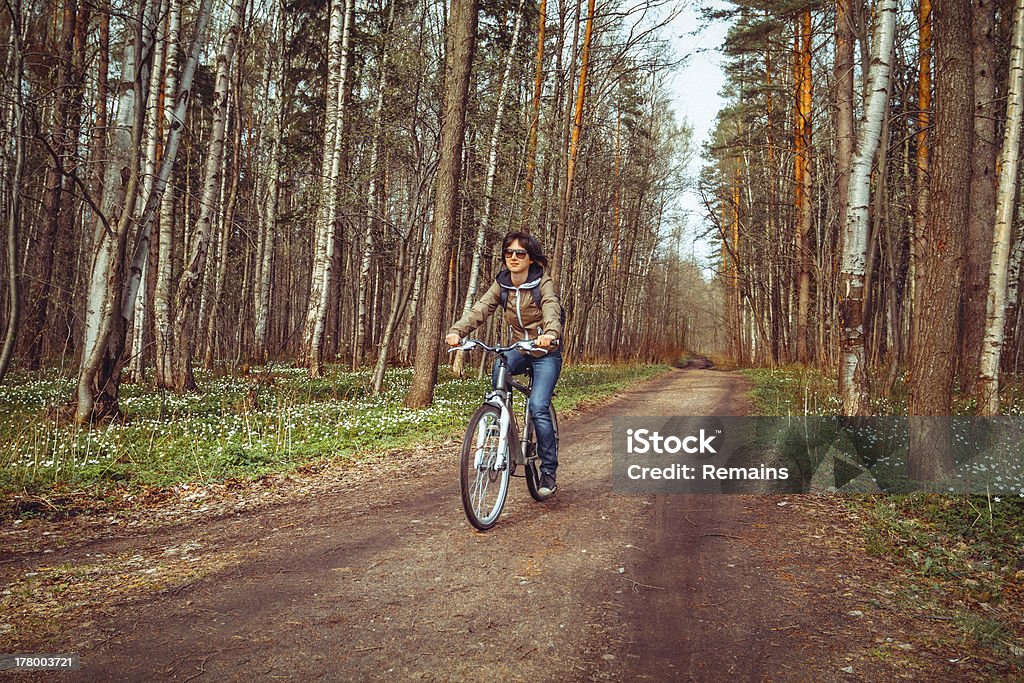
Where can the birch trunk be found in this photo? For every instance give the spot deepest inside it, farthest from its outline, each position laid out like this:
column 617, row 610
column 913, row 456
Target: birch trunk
column 195, row 262
column 268, row 228
column 374, row 202
column 227, row 222
column 14, row 203
column 136, row 366
column 103, row 335
column 164, row 225
column 988, row 384
column 323, row 257
column 852, row 370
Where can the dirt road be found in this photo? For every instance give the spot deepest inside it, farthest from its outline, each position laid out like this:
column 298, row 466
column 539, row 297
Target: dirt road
column 378, row 575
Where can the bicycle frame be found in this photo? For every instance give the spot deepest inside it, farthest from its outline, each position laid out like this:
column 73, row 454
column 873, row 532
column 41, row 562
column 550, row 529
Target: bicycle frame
column 502, row 399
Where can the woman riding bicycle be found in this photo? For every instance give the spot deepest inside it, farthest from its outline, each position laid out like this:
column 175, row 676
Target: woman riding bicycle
column 532, row 311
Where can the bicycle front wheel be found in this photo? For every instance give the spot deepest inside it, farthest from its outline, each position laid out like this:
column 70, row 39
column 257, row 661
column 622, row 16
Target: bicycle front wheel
column 482, row 473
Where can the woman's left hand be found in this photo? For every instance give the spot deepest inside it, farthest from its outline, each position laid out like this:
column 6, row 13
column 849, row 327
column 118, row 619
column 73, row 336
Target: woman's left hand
column 544, row 340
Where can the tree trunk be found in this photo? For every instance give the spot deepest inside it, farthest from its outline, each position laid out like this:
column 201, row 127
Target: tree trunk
column 574, row 146
column 924, row 106
column 374, row 200
column 461, row 44
column 492, row 167
column 14, row 203
column 323, row 257
column 227, row 221
column 164, row 224
column 982, row 214
column 268, row 227
column 194, row 266
column 804, row 184
column 988, row 384
column 941, row 246
column 99, row 375
column 852, row 370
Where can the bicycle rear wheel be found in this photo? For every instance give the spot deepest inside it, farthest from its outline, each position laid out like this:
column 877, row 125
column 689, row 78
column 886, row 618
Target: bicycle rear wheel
column 533, row 463
column 484, row 484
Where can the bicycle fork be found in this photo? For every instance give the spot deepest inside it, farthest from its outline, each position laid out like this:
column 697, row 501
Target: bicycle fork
column 504, row 422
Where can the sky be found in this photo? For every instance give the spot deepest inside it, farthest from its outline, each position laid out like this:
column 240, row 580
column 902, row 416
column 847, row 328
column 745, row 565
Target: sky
column 695, row 87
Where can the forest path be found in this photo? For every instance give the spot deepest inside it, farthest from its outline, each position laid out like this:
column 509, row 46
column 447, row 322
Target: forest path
column 379, row 575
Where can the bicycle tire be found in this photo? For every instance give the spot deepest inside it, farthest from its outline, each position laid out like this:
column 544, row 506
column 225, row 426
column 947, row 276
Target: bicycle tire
column 480, row 500
column 533, row 464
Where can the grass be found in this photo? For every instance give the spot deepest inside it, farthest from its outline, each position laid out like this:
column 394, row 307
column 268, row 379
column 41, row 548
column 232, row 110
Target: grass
column 966, row 550
column 273, row 420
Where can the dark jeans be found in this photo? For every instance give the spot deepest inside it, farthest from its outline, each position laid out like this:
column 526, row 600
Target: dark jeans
column 545, row 374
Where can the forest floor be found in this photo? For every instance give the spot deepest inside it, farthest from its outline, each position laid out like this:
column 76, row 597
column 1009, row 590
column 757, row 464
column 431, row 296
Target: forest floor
column 369, row 570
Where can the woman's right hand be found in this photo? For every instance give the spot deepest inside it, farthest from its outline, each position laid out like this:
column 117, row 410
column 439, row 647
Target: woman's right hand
column 452, row 340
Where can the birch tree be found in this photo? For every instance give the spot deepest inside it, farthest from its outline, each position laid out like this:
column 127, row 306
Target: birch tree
column 192, row 271
column 268, row 217
column 164, row 223
column 150, row 160
column 106, row 320
column 988, row 384
column 853, row 369
column 342, row 12
column 99, row 374
column 374, row 200
column 14, row 203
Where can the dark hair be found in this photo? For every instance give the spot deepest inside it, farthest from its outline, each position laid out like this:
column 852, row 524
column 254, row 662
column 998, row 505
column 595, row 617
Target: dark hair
column 529, row 243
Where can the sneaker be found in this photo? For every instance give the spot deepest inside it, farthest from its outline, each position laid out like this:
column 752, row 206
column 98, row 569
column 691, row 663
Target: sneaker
column 547, row 485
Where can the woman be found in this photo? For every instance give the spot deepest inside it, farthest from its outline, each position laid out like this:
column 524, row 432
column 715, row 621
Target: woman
column 532, row 311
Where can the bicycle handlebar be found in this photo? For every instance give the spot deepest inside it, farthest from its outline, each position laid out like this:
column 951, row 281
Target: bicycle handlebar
column 525, row 345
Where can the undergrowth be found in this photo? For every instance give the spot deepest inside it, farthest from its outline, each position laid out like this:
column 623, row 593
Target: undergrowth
column 967, row 551
column 272, row 420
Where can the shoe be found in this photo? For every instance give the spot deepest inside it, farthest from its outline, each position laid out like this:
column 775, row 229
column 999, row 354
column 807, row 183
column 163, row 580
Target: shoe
column 547, row 485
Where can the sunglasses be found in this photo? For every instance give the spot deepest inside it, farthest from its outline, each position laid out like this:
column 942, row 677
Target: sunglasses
column 518, row 253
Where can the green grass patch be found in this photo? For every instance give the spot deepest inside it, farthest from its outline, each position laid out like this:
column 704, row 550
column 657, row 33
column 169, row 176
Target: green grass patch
column 273, row 420
column 793, row 390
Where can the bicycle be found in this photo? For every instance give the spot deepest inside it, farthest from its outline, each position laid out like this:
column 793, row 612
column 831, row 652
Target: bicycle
column 492, row 448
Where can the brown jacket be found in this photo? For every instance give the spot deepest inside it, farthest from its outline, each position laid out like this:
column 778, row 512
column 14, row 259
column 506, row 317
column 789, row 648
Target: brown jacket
column 527, row 320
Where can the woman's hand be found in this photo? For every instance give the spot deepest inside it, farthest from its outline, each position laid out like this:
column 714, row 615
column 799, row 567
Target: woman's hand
column 452, row 340
column 544, row 340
